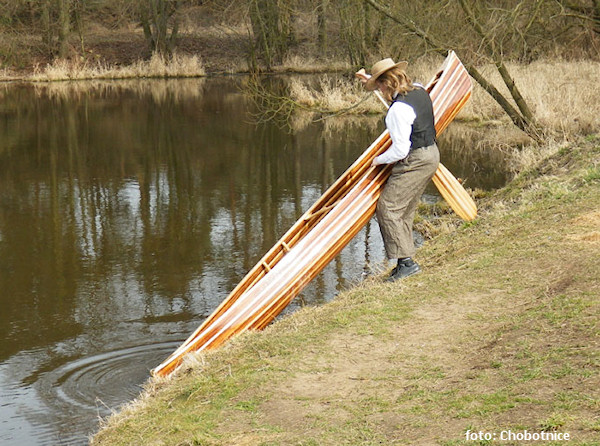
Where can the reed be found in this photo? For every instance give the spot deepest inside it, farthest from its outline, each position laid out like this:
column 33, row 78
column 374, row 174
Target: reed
column 334, row 95
column 156, row 67
column 563, row 94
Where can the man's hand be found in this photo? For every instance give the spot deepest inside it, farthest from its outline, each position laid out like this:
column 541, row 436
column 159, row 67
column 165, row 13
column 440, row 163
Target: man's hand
column 362, row 75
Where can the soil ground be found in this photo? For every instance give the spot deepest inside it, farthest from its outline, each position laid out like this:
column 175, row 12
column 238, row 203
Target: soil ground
column 221, row 50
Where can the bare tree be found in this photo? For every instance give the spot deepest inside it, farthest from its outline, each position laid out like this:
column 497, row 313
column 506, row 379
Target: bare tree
column 160, row 25
column 360, row 30
column 322, row 24
column 521, row 115
column 64, row 26
column 585, row 10
column 55, row 25
column 46, row 24
column 272, row 29
column 526, row 119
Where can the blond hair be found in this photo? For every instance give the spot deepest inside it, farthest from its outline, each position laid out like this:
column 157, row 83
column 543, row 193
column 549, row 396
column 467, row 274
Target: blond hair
column 397, row 81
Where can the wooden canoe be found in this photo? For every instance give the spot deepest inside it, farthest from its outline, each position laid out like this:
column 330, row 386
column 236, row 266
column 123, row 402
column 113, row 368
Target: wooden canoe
column 318, row 236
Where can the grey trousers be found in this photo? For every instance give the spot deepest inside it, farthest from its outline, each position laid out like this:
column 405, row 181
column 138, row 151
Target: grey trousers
column 401, row 194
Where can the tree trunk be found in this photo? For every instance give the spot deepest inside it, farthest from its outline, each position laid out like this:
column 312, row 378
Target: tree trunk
column 64, row 26
column 356, row 31
column 45, row 23
column 496, row 56
column 155, row 18
column 260, row 29
column 322, row 25
column 597, row 16
column 271, row 26
column 78, row 10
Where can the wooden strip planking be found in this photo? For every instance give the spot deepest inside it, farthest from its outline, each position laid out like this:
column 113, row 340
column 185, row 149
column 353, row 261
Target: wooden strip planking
column 260, row 297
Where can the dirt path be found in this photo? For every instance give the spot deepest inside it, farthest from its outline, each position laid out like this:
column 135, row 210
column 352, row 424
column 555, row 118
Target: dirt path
column 484, row 354
column 417, row 353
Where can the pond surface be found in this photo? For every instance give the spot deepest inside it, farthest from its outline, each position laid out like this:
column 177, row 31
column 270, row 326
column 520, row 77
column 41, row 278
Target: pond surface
column 128, row 211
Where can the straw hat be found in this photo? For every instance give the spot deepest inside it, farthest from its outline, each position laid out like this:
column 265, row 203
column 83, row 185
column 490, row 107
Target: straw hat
column 381, row 67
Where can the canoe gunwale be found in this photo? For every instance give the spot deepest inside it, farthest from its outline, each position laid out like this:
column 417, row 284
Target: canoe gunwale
column 361, row 182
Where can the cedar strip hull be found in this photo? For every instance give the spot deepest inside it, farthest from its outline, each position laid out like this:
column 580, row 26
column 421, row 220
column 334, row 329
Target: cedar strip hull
column 323, row 231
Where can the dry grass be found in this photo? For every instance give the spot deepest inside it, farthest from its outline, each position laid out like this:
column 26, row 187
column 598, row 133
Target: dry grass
column 562, row 94
column 334, row 95
column 530, row 156
column 156, row 67
column 338, row 94
column 301, row 64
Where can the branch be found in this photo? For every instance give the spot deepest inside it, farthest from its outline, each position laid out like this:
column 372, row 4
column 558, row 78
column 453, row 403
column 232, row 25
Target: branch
column 526, row 113
column 523, row 120
column 411, row 26
column 586, row 13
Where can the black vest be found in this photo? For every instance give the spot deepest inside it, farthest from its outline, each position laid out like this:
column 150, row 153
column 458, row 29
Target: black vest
column 423, row 129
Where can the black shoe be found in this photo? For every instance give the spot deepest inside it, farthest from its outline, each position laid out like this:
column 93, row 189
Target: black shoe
column 404, row 269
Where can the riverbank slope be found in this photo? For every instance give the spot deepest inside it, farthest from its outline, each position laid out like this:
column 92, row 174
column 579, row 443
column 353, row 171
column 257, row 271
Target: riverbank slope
column 499, row 333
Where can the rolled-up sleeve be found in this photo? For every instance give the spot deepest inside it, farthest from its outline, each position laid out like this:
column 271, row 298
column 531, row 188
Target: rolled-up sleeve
column 399, row 121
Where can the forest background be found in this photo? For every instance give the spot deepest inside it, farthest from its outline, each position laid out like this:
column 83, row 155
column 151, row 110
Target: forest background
column 79, row 39
column 243, row 35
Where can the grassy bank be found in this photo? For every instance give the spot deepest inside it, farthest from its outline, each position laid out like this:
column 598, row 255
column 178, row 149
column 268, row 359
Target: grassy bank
column 156, row 67
column 500, row 332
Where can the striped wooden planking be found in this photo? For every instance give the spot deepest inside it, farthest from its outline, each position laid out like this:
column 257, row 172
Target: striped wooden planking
column 319, row 235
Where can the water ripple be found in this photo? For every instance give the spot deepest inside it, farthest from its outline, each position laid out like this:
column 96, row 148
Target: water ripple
column 107, row 379
column 61, row 403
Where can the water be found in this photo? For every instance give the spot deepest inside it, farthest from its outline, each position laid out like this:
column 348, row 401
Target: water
column 128, row 211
